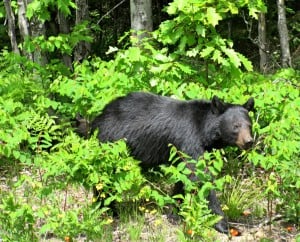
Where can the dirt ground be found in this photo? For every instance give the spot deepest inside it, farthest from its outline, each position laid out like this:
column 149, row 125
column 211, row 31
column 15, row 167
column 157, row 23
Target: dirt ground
column 262, row 232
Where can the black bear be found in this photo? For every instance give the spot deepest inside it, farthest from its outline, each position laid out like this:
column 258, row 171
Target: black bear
column 149, row 123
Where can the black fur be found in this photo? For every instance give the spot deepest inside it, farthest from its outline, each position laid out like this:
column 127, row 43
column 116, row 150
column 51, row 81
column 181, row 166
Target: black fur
column 149, row 123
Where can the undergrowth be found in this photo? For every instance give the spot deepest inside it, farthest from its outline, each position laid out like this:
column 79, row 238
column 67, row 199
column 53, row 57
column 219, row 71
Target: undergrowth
column 45, row 163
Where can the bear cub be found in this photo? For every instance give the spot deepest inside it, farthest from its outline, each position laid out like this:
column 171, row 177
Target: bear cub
column 149, row 123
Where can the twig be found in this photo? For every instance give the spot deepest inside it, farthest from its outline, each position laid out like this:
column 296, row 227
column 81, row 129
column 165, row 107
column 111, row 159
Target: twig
column 256, row 224
column 249, row 29
column 270, row 220
column 65, row 199
column 156, row 187
column 117, row 5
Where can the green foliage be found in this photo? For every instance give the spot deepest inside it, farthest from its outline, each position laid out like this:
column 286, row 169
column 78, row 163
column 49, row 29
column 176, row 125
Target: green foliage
column 40, row 9
column 96, row 82
column 64, row 43
column 46, row 165
column 278, row 154
column 198, row 220
column 193, row 32
column 58, row 158
column 17, row 220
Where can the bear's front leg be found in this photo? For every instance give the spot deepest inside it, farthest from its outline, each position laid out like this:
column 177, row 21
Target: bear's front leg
column 215, row 207
column 213, row 202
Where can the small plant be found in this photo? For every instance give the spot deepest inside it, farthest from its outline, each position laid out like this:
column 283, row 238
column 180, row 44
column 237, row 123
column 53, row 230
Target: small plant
column 198, row 219
column 240, row 197
column 133, row 227
column 17, row 220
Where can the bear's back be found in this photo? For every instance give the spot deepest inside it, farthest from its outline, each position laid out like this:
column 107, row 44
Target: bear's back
column 149, row 123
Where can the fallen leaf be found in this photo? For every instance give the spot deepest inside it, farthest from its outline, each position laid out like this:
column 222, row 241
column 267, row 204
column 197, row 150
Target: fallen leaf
column 234, row 232
column 246, row 212
column 68, row 239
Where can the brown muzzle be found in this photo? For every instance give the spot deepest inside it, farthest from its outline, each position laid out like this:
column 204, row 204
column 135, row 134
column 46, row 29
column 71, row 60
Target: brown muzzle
column 244, row 140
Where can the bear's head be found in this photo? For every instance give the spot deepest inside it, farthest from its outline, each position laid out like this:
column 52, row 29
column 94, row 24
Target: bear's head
column 235, row 126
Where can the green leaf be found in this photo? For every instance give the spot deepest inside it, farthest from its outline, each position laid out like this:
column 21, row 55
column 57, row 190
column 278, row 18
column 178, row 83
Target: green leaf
column 134, row 54
column 207, row 51
column 233, row 8
column 218, row 164
column 181, row 166
column 192, row 52
column 212, row 16
column 32, row 8
column 233, row 56
column 16, row 154
column 217, row 56
column 246, row 63
column 201, row 30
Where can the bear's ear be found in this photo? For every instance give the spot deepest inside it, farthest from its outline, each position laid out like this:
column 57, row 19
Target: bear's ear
column 217, row 105
column 249, row 105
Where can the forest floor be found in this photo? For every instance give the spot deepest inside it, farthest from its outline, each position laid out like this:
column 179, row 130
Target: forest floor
column 156, row 227
column 149, row 227
column 168, row 232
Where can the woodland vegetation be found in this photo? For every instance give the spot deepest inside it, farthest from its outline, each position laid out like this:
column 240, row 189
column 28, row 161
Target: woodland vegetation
column 62, row 61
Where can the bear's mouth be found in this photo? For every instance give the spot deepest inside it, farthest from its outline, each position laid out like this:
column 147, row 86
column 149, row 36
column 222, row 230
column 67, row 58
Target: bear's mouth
column 245, row 145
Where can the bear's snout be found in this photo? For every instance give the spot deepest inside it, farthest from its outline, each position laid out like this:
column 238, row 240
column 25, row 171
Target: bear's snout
column 248, row 143
column 245, row 140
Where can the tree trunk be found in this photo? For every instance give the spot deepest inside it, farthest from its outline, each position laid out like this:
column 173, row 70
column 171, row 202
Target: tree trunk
column 24, row 25
column 229, row 24
column 286, row 59
column 141, row 18
column 37, row 28
column 64, row 29
column 296, row 56
column 83, row 48
column 11, row 26
column 262, row 42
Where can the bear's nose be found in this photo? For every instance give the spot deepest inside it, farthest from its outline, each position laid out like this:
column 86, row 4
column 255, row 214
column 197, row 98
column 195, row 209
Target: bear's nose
column 248, row 143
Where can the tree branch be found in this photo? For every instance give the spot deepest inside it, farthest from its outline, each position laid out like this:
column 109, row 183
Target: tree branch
column 117, row 5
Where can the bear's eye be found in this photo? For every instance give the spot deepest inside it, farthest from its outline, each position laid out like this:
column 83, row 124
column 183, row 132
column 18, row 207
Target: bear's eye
column 236, row 126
